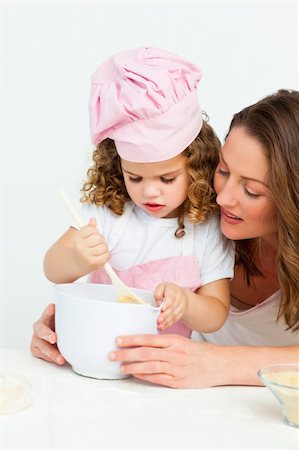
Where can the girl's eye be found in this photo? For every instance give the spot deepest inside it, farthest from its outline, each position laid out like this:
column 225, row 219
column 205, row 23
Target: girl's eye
column 135, row 180
column 167, row 180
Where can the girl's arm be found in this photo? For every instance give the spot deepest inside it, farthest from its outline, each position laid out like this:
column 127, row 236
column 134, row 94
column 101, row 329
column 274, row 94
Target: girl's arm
column 204, row 311
column 179, row 362
column 75, row 254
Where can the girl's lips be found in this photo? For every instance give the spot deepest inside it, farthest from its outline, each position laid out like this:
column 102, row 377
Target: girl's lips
column 153, row 206
column 230, row 218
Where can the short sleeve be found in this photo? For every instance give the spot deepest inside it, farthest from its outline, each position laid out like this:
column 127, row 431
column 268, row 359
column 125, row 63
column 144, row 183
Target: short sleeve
column 215, row 254
column 100, row 213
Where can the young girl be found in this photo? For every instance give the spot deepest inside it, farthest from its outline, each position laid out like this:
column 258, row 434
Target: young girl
column 148, row 202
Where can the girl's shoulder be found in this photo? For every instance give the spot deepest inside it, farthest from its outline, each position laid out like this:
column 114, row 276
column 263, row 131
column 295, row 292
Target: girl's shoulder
column 210, row 226
column 209, row 238
column 104, row 216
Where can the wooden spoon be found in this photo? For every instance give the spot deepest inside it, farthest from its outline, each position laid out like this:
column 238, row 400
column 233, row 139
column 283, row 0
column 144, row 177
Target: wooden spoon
column 123, row 292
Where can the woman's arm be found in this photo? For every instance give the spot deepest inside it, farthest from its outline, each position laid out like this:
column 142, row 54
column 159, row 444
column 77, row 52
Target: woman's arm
column 178, row 362
column 172, row 360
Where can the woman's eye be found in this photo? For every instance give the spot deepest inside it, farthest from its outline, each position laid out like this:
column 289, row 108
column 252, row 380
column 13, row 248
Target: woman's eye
column 222, row 172
column 135, row 180
column 167, row 180
column 250, row 194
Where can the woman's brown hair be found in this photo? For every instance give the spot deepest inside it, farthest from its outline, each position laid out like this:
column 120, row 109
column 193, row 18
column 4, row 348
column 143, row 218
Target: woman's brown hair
column 105, row 183
column 274, row 123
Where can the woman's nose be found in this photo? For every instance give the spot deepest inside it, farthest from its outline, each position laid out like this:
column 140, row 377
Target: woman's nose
column 226, row 196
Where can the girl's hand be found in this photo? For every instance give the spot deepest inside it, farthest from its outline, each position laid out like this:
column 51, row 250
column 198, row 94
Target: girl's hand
column 175, row 303
column 43, row 342
column 90, row 248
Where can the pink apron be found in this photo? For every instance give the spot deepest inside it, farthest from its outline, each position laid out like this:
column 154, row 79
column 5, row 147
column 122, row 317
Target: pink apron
column 182, row 270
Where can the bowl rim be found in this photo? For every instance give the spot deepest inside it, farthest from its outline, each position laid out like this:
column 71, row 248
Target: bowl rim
column 57, row 285
column 266, row 381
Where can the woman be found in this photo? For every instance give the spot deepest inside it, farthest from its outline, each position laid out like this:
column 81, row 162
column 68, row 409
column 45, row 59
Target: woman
column 257, row 186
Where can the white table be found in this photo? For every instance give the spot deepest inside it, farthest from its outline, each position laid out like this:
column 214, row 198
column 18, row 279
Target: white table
column 71, row 412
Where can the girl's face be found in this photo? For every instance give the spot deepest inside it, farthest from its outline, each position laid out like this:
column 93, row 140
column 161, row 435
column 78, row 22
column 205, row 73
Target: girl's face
column 247, row 208
column 158, row 188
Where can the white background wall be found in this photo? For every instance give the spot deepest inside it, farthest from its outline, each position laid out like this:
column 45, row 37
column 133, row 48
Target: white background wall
column 49, row 49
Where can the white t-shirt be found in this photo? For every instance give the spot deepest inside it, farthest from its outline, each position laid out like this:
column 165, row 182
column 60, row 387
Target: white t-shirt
column 145, row 238
column 256, row 326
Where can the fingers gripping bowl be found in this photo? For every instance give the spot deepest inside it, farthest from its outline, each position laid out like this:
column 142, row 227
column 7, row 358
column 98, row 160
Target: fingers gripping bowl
column 89, row 318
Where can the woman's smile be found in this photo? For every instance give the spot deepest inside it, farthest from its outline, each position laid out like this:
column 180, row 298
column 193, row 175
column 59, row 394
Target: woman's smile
column 230, row 218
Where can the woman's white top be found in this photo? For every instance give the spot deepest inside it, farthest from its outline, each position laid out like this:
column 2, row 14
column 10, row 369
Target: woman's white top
column 257, row 326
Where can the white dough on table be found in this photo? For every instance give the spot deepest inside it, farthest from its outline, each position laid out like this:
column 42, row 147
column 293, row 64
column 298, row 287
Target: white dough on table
column 15, row 392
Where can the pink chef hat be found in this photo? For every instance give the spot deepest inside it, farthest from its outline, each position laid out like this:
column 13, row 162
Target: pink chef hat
column 145, row 99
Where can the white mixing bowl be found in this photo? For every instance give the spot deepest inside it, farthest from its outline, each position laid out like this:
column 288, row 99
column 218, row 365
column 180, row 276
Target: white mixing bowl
column 89, row 318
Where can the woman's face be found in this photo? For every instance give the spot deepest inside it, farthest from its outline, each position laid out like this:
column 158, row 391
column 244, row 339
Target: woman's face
column 240, row 181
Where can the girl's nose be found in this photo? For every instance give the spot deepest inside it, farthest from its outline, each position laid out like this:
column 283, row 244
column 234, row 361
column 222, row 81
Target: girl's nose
column 151, row 190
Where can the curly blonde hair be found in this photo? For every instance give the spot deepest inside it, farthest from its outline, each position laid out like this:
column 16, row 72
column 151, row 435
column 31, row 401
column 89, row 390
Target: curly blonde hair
column 105, row 182
column 274, row 122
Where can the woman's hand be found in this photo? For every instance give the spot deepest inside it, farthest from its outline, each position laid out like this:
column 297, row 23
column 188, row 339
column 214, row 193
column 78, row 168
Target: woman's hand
column 175, row 303
column 172, row 360
column 43, row 342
